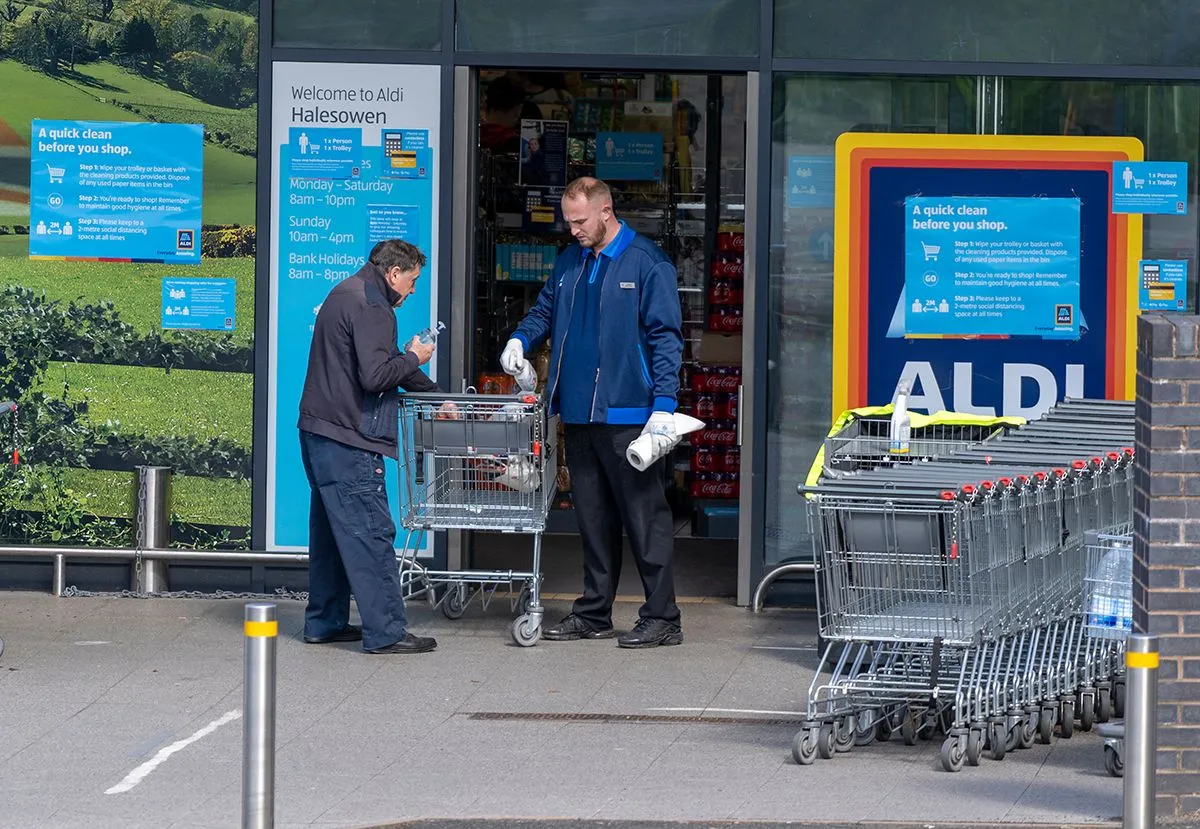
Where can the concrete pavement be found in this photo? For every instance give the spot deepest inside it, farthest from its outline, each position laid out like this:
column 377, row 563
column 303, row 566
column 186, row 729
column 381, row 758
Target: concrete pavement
column 142, row 698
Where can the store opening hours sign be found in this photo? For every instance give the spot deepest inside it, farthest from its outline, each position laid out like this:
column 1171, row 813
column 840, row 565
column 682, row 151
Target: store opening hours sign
column 355, row 161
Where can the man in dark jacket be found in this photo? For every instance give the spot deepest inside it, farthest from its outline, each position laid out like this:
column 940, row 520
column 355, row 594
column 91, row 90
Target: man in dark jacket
column 611, row 311
column 349, row 419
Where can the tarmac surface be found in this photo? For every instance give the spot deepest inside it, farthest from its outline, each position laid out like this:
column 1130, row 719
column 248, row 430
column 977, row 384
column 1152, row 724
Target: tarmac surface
column 127, row 713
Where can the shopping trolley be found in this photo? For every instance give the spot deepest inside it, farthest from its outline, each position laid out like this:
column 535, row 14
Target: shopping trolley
column 477, row 462
column 949, row 590
column 1108, row 618
column 931, row 251
column 56, row 174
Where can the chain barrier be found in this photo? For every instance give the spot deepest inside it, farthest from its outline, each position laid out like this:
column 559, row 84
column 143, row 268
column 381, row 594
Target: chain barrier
column 139, row 529
column 280, row 593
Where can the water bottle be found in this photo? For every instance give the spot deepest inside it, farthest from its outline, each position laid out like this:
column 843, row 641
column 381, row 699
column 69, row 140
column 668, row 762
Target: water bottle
column 1111, row 605
column 900, row 429
column 430, row 334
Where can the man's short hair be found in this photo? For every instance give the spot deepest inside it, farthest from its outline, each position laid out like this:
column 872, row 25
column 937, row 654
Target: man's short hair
column 397, row 253
column 587, row 188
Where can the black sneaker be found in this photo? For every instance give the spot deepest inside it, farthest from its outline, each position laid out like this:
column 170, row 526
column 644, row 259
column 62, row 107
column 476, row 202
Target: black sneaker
column 573, row 627
column 650, row 633
column 409, row 644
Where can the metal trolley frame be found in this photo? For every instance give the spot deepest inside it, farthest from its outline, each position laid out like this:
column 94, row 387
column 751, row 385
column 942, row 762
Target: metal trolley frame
column 477, row 462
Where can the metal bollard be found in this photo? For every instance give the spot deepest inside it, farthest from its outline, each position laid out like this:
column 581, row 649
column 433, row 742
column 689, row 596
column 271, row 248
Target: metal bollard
column 1141, row 724
column 152, row 527
column 258, row 729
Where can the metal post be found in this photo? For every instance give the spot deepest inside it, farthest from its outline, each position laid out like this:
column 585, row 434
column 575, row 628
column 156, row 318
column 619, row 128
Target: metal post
column 1141, row 723
column 152, row 527
column 60, row 574
column 258, row 730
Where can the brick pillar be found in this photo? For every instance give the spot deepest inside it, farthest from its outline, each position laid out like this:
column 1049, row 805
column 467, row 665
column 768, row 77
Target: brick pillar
column 1166, row 547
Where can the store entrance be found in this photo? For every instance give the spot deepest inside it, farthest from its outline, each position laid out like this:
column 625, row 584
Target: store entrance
column 673, row 149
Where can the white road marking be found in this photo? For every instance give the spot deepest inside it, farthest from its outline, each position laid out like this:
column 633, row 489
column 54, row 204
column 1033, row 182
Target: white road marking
column 94, row 642
column 143, row 771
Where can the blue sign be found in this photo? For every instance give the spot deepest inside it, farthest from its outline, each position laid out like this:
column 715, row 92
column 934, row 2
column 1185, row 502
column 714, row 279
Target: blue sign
column 1150, row 187
column 810, row 181
column 991, row 266
column 629, row 156
column 325, row 153
column 406, row 154
column 119, row 191
column 1162, row 285
column 985, row 374
column 206, row 304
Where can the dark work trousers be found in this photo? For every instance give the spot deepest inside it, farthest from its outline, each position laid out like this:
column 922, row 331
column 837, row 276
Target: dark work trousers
column 351, row 544
column 608, row 493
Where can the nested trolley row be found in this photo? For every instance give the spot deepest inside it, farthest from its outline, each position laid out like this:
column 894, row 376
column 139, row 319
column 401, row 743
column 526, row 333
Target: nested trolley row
column 950, row 587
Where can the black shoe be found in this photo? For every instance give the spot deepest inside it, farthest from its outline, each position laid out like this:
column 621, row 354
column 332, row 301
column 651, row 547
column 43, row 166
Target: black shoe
column 350, row 633
column 409, row 644
column 572, row 627
column 650, row 633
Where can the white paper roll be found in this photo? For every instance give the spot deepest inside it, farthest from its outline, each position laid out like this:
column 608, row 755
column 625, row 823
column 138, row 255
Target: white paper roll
column 640, row 453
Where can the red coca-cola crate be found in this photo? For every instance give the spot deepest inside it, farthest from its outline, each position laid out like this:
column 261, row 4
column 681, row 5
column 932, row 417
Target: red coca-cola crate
column 725, row 318
column 728, row 408
column 715, row 485
column 728, row 240
column 728, row 266
column 729, row 459
column 726, row 292
column 717, row 433
column 718, row 379
column 706, row 459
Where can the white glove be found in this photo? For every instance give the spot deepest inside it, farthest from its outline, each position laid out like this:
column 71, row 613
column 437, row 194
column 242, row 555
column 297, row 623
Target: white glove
column 661, row 429
column 512, row 359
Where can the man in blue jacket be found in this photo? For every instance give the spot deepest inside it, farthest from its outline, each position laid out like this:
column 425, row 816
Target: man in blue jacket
column 611, row 311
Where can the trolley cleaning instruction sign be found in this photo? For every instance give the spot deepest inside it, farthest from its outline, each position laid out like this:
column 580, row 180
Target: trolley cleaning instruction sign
column 355, row 155
column 991, row 267
column 116, row 191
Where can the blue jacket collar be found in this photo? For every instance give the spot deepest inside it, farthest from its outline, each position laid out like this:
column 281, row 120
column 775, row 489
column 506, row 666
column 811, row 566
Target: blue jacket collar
column 616, row 247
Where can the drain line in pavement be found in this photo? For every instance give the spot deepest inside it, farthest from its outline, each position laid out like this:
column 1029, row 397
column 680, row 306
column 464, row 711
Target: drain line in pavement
column 688, row 719
column 141, row 772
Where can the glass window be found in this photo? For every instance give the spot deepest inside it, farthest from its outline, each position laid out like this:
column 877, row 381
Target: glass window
column 810, row 112
column 359, row 24
column 634, row 27
column 1165, row 33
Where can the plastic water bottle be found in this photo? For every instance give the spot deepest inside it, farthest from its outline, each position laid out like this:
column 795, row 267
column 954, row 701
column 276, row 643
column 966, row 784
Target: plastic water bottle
column 430, row 334
column 1111, row 603
column 900, row 430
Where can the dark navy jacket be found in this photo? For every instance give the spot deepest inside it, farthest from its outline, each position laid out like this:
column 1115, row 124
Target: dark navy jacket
column 641, row 338
column 355, row 365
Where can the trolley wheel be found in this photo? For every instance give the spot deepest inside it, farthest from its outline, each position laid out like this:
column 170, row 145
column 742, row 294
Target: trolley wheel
column 1066, row 722
column 908, row 728
column 997, row 740
column 1, row 647
column 1119, row 699
column 844, row 733
column 974, row 746
column 884, row 729
column 1046, row 725
column 1012, row 738
column 454, row 605
column 864, row 728
column 1104, row 705
column 525, row 632
column 1087, row 711
column 1113, row 762
column 954, row 753
column 825, row 741
column 804, row 746
column 1027, row 731
column 524, row 600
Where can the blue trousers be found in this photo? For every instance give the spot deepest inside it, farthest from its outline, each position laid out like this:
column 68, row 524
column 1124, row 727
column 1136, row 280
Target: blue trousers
column 351, row 543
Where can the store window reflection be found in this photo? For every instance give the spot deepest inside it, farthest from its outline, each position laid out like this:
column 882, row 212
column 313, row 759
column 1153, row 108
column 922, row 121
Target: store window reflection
column 809, row 113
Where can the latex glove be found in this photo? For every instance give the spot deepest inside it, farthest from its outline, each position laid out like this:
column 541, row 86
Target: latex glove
column 661, row 429
column 512, row 359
